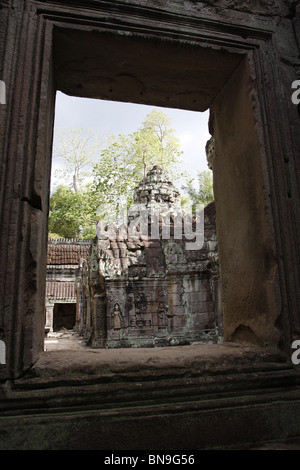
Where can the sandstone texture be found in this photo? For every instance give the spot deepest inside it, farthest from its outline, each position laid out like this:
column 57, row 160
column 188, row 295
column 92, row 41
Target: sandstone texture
column 239, row 59
column 154, row 287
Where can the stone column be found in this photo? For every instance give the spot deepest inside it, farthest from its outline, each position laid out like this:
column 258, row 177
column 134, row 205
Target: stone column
column 26, row 122
column 99, row 337
column 49, row 317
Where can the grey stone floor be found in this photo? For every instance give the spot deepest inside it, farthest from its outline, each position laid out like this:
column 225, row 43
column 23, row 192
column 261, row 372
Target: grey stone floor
column 63, row 339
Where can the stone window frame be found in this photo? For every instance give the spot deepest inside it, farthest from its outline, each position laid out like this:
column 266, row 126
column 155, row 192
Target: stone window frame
column 28, row 71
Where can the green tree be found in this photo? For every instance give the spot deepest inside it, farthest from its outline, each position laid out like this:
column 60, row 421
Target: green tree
column 73, row 208
column 78, row 150
column 115, row 176
column 159, row 144
column 127, row 159
column 121, row 166
column 203, row 194
column 73, row 214
column 145, row 149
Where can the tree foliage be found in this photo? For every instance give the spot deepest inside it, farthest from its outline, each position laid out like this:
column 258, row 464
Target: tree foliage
column 203, row 194
column 116, row 173
column 78, row 150
column 156, row 144
column 121, row 165
column 73, row 214
column 128, row 158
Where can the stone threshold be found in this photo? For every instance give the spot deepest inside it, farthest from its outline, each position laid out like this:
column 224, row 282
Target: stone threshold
column 127, row 391
column 164, row 361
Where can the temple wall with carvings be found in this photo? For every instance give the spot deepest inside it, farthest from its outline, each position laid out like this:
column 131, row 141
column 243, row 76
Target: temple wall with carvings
column 239, row 59
column 141, row 291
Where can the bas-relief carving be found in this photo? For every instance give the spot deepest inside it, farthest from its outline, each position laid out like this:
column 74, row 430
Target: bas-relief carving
column 174, row 254
column 162, row 318
column 117, row 317
column 12, row 42
column 145, row 303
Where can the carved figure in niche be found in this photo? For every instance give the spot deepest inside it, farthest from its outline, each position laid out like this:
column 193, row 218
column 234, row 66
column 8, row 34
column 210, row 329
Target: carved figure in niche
column 117, row 317
column 161, row 314
column 173, row 253
column 161, row 310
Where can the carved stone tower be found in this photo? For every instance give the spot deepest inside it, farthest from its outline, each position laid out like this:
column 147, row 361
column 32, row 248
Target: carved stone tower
column 157, row 187
column 155, row 290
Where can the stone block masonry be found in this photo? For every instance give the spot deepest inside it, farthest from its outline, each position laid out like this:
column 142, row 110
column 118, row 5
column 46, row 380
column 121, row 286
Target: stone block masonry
column 239, row 59
column 153, row 292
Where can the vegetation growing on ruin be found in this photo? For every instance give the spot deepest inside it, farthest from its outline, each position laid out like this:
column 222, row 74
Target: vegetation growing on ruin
column 96, row 176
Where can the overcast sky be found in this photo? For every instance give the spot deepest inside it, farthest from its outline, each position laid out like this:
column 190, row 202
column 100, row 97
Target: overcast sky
column 191, row 128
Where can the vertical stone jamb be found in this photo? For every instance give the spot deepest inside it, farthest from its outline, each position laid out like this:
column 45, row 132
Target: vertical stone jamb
column 26, row 132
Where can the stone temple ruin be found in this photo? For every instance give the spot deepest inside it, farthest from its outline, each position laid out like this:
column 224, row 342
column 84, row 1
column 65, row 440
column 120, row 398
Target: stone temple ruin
column 142, row 291
column 62, row 297
column 239, row 60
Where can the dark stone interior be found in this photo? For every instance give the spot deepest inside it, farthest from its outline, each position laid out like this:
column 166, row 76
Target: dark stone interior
column 238, row 59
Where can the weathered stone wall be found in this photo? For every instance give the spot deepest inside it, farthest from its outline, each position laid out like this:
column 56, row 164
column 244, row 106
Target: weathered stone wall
column 181, row 54
column 154, row 291
column 249, row 275
column 64, row 260
column 138, row 50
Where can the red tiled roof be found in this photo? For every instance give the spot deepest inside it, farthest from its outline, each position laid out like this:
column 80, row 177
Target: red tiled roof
column 60, row 290
column 66, row 253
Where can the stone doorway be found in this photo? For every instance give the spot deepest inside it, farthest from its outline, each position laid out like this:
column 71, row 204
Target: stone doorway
column 239, row 59
column 147, row 72
column 64, row 316
column 157, row 56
